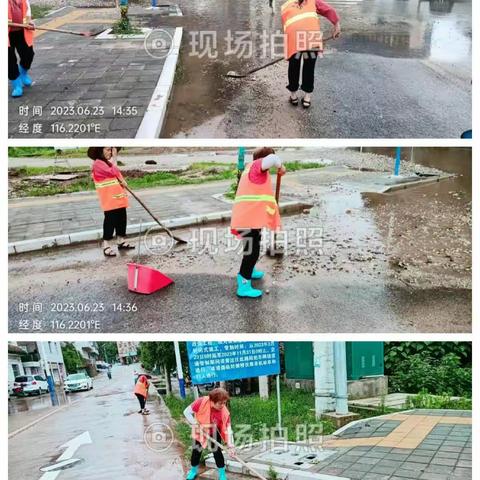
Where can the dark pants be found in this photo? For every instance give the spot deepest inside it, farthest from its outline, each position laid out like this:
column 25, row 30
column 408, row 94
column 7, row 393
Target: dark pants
column 308, row 71
column 18, row 45
column 217, row 453
column 141, row 400
column 115, row 222
column 251, row 251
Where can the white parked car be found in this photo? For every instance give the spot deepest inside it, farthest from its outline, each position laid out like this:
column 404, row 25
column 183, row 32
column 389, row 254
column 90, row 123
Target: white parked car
column 78, row 381
column 29, row 385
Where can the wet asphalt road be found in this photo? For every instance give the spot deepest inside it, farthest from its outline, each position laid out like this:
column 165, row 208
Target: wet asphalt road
column 118, row 448
column 401, row 69
column 351, row 284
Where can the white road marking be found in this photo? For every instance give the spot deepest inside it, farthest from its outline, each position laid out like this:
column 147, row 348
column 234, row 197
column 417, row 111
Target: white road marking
column 70, row 448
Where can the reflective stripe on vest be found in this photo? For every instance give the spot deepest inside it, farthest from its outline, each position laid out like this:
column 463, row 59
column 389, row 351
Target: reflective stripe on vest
column 255, row 198
column 302, row 27
column 255, row 205
column 297, row 18
column 204, row 418
column 111, row 194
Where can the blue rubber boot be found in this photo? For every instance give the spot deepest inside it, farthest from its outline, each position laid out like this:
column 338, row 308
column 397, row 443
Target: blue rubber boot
column 192, row 473
column 17, row 87
column 257, row 274
column 222, row 475
column 245, row 289
column 25, row 77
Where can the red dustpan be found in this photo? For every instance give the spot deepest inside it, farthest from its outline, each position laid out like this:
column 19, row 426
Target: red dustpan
column 146, row 280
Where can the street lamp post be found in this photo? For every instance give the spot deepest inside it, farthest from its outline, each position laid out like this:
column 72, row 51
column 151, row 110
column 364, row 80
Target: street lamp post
column 397, row 161
column 48, row 374
column 181, row 380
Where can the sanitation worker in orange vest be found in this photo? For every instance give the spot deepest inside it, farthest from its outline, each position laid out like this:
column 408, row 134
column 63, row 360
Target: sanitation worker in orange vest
column 20, row 40
column 109, row 184
column 303, row 40
column 255, row 208
column 210, row 415
column 141, row 392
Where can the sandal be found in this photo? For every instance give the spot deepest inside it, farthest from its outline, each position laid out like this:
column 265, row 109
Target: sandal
column 108, row 252
column 293, row 101
column 125, row 246
column 306, row 103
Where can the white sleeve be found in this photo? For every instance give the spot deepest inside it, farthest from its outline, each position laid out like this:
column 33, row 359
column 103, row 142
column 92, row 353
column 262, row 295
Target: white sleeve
column 189, row 415
column 270, row 161
column 29, row 10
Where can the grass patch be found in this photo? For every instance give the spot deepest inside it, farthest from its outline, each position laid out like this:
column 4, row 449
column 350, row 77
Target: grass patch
column 425, row 400
column 197, row 173
column 49, row 152
column 40, row 11
column 254, row 419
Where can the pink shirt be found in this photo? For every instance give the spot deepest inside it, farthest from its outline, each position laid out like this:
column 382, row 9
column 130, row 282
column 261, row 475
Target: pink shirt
column 327, row 11
column 215, row 415
column 256, row 175
column 102, row 170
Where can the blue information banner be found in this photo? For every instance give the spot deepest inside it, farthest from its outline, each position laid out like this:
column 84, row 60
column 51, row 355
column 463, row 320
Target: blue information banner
column 221, row 361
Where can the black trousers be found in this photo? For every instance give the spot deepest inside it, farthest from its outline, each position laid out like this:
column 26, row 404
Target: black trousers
column 308, row 71
column 141, row 400
column 26, row 54
column 115, row 222
column 217, row 453
column 251, row 251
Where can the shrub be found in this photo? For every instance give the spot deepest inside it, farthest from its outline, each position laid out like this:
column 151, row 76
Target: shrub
column 419, row 373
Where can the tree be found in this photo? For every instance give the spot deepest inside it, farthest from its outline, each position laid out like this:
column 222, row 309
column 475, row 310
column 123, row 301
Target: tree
column 72, row 358
column 159, row 357
column 108, row 351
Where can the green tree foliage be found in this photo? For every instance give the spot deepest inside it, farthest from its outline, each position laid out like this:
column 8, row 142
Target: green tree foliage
column 108, row 351
column 72, row 358
column 155, row 356
column 436, row 368
column 397, row 352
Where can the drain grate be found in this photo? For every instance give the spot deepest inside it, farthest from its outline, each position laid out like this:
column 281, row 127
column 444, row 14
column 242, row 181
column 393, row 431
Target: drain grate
column 294, row 456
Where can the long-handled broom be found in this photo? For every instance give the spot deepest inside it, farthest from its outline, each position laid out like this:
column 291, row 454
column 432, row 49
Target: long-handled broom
column 167, row 230
column 46, row 29
column 233, row 74
column 236, row 457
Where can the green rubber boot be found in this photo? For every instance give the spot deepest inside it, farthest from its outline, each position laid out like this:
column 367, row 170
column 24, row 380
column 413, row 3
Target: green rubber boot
column 222, row 475
column 257, row 274
column 192, row 473
column 244, row 288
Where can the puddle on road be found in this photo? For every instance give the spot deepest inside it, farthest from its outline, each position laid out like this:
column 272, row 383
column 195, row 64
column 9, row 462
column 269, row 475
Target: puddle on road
column 19, row 404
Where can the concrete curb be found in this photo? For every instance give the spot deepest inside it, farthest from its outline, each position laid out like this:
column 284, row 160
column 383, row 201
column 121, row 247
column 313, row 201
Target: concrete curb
column 45, row 243
column 152, row 122
column 418, row 183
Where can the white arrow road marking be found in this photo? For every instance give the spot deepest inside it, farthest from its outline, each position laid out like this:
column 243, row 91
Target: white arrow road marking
column 71, row 447
column 60, row 465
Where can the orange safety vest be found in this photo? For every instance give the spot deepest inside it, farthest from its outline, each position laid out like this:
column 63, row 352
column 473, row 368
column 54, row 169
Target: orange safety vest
column 27, row 34
column 203, row 417
column 255, row 205
column 301, row 26
column 141, row 388
column 111, row 194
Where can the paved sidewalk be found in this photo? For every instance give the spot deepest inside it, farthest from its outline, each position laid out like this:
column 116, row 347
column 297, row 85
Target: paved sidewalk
column 38, row 217
column 32, row 218
column 412, row 445
column 86, row 87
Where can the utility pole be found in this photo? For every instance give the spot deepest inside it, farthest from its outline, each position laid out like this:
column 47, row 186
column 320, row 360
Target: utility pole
column 48, row 373
column 324, row 377
column 340, row 362
column 181, row 381
column 263, row 387
column 397, row 161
